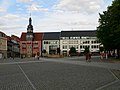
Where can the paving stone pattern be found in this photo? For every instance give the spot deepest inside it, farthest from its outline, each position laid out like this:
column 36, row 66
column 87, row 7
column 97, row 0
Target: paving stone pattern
column 50, row 75
column 11, row 78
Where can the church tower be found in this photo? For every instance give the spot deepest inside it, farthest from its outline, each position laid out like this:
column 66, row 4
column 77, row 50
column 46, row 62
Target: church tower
column 30, row 35
column 29, row 38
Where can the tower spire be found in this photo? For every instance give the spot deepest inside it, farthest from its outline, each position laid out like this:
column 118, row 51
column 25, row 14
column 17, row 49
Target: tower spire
column 30, row 21
column 30, row 27
column 30, row 34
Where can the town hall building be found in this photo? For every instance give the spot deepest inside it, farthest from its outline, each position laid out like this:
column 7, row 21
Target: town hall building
column 30, row 42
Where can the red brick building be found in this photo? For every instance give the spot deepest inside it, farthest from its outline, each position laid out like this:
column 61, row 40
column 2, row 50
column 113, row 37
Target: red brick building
column 30, row 42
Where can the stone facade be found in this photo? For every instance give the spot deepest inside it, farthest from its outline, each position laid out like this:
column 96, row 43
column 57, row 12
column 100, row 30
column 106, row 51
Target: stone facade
column 3, row 45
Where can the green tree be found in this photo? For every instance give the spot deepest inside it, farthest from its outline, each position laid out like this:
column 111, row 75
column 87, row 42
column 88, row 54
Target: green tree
column 86, row 50
column 108, row 31
column 72, row 51
column 101, row 49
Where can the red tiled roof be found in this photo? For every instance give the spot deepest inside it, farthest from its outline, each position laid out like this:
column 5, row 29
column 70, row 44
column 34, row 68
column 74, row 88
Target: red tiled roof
column 8, row 37
column 37, row 36
column 23, row 37
column 15, row 38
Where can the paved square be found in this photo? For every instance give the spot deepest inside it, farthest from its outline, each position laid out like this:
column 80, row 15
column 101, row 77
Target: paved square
column 49, row 75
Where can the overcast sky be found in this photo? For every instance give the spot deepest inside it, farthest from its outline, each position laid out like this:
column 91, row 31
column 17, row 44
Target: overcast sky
column 50, row 15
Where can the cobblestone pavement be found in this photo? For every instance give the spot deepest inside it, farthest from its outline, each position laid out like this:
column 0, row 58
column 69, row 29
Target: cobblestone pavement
column 57, row 74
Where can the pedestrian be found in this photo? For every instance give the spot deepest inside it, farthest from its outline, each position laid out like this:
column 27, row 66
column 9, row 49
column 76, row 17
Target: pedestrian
column 89, row 57
column 38, row 57
column 106, row 56
column 101, row 55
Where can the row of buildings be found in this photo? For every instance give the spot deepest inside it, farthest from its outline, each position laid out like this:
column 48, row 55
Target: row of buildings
column 32, row 43
column 9, row 46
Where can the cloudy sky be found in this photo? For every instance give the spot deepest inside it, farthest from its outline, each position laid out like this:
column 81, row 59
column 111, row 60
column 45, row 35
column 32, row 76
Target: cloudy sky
column 50, row 15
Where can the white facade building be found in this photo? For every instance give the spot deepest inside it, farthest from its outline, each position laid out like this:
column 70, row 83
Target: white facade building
column 79, row 40
column 79, row 44
column 67, row 39
column 51, row 42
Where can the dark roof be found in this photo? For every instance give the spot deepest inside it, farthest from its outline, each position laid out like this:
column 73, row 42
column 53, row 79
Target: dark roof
column 78, row 33
column 37, row 36
column 51, row 36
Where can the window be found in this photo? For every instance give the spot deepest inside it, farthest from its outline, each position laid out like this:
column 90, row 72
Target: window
column 45, row 42
column 23, row 46
column 64, row 46
column 86, row 46
column 29, row 47
column 86, row 42
column 76, row 42
column 73, row 41
column 77, row 37
column 23, row 43
column 64, row 42
column 35, row 46
column 81, row 47
column 95, row 41
column 28, row 42
column 64, row 37
column 98, row 42
column 92, row 42
column 71, row 46
column 76, row 46
column 95, row 46
column 35, row 42
column 53, row 42
column 92, row 46
column 56, row 42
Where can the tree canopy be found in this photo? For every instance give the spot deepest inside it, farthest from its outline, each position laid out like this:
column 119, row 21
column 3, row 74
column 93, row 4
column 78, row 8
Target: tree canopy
column 86, row 50
column 108, row 31
column 72, row 51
